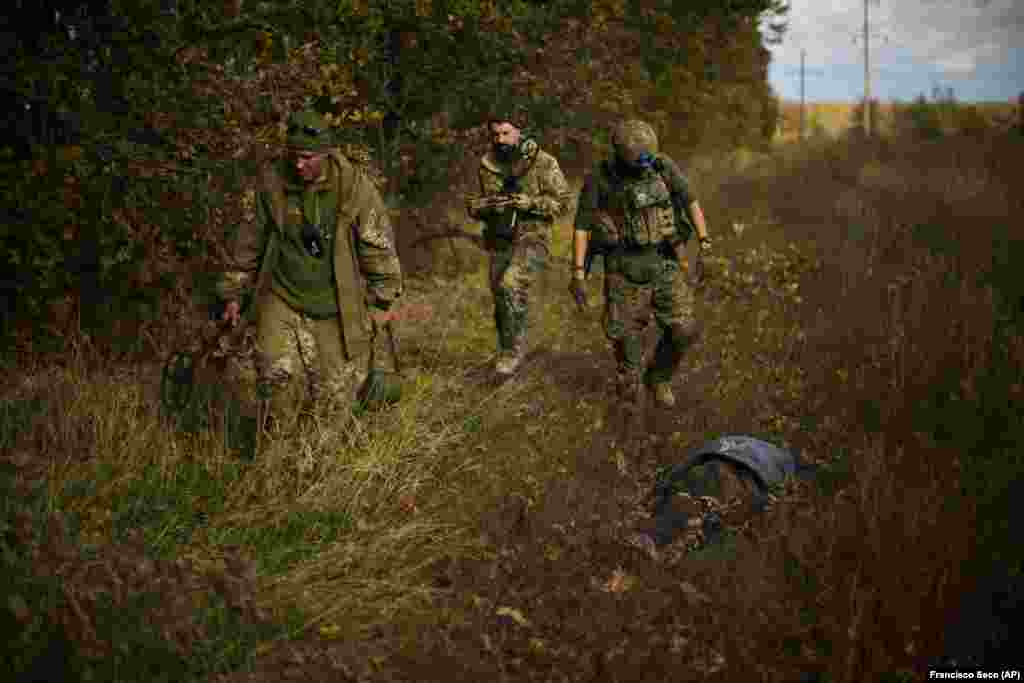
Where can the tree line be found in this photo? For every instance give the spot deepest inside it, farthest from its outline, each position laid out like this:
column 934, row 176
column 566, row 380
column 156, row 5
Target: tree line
column 137, row 124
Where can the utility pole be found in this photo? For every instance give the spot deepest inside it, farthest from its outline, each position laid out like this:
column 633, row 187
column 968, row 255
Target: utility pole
column 867, row 74
column 864, row 34
column 803, row 53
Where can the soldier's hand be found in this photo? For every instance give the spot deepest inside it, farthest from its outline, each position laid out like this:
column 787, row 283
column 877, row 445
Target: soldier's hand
column 381, row 317
column 579, row 293
column 698, row 270
column 232, row 313
column 520, row 202
column 477, row 205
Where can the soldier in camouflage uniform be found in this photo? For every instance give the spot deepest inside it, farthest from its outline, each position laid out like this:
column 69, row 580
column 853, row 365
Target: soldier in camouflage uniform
column 517, row 232
column 639, row 210
column 324, row 236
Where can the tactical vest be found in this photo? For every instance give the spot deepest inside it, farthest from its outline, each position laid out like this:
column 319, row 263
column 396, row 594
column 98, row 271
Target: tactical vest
column 641, row 209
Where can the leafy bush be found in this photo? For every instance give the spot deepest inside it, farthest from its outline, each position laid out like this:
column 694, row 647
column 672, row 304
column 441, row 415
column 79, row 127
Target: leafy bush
column 939, row 116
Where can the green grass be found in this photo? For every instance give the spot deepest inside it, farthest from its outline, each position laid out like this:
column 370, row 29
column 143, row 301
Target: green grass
column 16, row 418
column 282, row 543
column 127, row 644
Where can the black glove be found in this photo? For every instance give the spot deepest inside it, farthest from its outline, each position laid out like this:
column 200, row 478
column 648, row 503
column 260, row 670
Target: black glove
column 698, row 269
column 579, row 293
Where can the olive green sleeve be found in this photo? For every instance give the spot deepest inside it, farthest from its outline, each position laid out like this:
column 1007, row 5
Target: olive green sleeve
column 679, row 185
column 245, row 252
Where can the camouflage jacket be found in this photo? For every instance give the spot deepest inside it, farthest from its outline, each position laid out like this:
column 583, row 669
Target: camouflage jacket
column 365, row 262
column 537, row 175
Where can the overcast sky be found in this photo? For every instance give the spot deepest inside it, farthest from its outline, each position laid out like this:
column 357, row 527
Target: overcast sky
column 974, row 46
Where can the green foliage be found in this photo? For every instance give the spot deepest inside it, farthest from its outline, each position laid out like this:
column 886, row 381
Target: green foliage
column 167, row 507
column 1004, row 276
column 936, row 238
column 832, row 477
column 423, row 69
column 282, row 543
column 940, row 116
column 987, row 430
column 924, row 118
column 721, row 550
column 816, row 129
column 32, row 636
column 16, row 418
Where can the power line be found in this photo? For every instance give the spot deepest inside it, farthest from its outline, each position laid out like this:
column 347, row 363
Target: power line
column 866, row 35
column 803, row 100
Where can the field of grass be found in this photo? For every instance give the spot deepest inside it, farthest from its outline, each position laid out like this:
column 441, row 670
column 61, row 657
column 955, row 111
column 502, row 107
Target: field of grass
column 863, row 305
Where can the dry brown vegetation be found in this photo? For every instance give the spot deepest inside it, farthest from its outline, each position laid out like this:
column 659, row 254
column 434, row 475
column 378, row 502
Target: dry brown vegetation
column 476, row 532
column 836, row 118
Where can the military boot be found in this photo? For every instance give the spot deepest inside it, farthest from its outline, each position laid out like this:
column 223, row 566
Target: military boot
column 508, row 361
column 663, row 395
column 244, row 436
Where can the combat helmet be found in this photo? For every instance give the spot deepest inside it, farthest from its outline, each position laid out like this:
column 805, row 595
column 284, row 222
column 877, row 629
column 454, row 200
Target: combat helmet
column 508, row 110
column 635, row 142
column 307, row 130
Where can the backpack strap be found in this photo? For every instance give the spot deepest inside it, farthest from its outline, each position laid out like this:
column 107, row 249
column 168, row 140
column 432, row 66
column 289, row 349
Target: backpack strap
column 348, row 277
column 682, row 212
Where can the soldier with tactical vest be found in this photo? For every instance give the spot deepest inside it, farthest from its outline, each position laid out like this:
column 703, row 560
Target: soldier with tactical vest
column 522, row 193
column 638, row 209
column 324, row 247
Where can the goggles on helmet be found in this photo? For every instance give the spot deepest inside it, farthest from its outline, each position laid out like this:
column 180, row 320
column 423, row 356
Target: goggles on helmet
column 645, row 160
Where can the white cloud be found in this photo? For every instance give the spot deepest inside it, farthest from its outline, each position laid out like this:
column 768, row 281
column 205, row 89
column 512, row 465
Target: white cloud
column 954, row 36
column 956, row 65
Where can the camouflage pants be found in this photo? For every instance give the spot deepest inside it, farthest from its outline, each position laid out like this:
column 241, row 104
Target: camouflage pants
column 515, row 267
column 300, row 359
column 628, row 308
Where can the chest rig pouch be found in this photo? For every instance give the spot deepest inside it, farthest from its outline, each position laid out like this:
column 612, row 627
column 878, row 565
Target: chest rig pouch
column 647, row 209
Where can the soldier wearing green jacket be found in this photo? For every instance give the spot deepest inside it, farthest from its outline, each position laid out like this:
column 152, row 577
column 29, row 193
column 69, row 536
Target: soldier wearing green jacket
column 522, row 193
column 324, row 242
column 639, row 210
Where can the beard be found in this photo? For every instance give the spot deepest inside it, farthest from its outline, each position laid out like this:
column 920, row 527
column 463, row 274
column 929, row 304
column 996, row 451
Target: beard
column 507, row 153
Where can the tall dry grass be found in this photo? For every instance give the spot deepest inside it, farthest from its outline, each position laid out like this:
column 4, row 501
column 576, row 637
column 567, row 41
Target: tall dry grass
column 913, row 350
column 862, row 307
column 339, row 527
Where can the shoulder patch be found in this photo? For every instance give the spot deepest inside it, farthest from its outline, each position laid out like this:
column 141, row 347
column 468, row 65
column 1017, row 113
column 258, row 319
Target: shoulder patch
column 376, row 229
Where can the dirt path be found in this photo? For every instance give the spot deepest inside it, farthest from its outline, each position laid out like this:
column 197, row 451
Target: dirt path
column 561, row 593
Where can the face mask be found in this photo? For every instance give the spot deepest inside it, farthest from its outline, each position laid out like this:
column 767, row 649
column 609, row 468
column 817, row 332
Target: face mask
column 643, row 163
